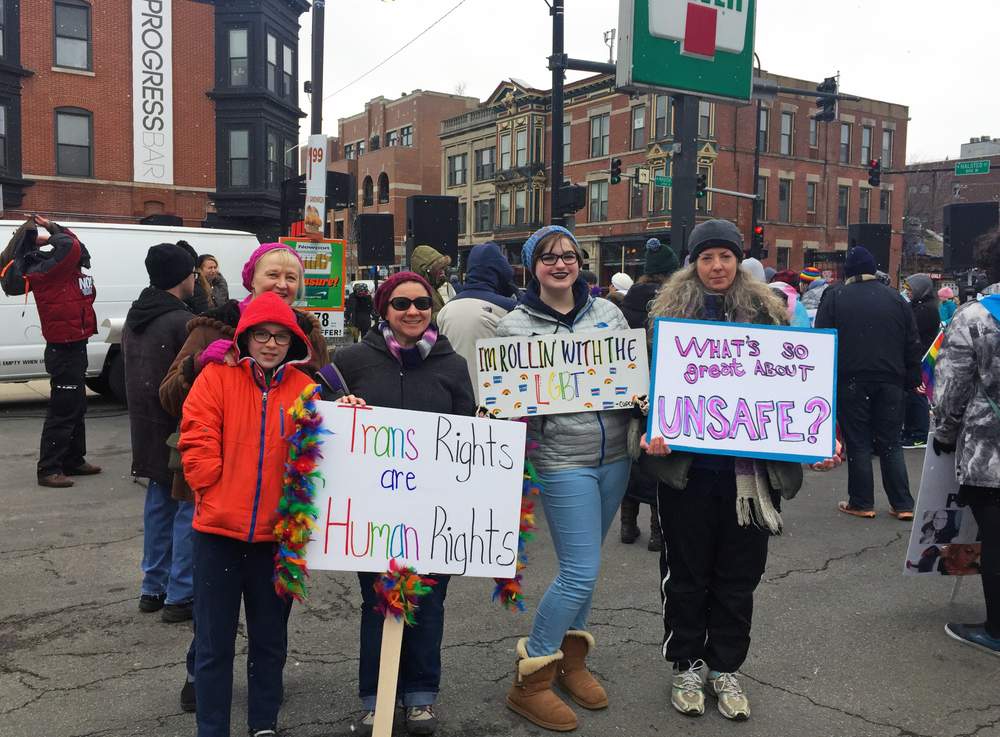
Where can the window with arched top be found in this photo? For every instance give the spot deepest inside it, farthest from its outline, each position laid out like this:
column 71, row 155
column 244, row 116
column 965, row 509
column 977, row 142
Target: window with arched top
column 367, row 192
column 383, row 188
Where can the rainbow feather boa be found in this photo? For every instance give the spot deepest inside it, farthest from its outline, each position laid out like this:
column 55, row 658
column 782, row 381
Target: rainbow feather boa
column 297, row 511
column 398, row 590
column 508, row 591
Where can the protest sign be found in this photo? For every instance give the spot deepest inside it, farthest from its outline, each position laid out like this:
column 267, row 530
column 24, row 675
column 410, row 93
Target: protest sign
column 943, row 537
column 323, row 272
column 441, row 493
column 757, row 391
column 563, row 372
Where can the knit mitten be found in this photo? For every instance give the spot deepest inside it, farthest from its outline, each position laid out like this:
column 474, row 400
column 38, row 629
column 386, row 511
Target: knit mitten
column 214, row 353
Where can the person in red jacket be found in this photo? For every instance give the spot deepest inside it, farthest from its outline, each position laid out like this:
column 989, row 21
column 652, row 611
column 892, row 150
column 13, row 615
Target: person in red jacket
column 233, row 447
column 64, row 295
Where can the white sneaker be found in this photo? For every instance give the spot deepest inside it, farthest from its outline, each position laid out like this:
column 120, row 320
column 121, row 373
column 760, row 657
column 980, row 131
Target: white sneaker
column 687, row 693
column 733, row 702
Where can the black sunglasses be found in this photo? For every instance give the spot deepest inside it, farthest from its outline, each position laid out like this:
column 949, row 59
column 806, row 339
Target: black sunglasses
column 403, row 303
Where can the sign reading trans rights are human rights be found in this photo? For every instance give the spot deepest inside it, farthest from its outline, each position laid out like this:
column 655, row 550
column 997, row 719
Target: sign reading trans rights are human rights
column 439, row 492
column 563, row 372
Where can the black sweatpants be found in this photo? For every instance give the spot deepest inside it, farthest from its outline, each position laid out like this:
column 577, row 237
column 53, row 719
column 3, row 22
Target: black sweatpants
column 709, row 569
column 64, row 439
column 987, row 514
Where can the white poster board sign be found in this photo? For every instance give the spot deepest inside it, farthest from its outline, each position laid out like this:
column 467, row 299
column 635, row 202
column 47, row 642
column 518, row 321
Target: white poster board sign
column 439, row 492
column 943, row 538
column 745, row 390
column 564, row 372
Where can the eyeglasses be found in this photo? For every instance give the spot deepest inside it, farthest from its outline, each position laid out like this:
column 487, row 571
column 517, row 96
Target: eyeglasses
column 264, row 336
column 403, row 303
column 568, row 257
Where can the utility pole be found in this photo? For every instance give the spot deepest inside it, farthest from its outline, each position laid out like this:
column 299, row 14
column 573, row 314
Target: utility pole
column 557, row 63
column 316, row 109
column 684, row 171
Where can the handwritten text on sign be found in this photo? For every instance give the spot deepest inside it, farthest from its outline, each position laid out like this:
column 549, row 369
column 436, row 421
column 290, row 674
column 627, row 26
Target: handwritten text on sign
column 744, row 390
column 439, row 492
column 567, row 372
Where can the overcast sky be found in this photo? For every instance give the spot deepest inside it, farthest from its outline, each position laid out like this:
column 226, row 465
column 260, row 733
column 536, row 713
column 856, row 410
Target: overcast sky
column 913, row 52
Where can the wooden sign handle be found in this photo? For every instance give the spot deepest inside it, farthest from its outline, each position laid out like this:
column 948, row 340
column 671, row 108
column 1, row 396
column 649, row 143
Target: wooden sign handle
column 388, row 674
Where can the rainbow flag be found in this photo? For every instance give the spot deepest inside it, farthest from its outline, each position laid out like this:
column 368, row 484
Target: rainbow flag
column 927, row 365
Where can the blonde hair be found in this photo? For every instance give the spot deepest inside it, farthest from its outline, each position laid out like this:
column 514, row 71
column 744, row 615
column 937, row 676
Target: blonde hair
column 284, row 259
column 746, row 300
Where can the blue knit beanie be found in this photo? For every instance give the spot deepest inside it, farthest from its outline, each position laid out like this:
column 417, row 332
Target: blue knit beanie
column 528, row 249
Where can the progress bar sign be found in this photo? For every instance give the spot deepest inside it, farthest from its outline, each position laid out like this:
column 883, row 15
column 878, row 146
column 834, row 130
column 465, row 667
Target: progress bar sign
column 700, row 47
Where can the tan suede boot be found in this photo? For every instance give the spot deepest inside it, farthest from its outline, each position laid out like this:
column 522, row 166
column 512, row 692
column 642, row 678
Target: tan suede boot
column 532, row 696
column 574, row 678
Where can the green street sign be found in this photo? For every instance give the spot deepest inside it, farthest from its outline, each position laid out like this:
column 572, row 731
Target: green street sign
column 700, row 47
column 661, row 181
column 964, row 168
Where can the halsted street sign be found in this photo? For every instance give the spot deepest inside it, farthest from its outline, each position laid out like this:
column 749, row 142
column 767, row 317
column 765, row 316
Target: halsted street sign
column 701, row 47
column 964, row 168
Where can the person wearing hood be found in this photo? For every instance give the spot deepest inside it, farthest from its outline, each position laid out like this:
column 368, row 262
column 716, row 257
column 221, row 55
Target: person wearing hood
column 405, row 363
column 583, row 464
column 967, row 431
column 946, row 296
column 432, row 265
column 155, row 329
column 878, row 361
column 236, row 476
column 924, row 305
column 483, row 301
column 360, row 311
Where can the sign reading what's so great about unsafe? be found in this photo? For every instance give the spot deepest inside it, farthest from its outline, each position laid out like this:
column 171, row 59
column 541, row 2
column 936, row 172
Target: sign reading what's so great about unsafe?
column 563, row 372
column 441, row 493
column 744, row 390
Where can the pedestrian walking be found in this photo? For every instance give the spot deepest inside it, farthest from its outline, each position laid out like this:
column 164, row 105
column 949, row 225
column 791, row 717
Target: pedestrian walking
column 359, row 313
column 660, row 263
column 64, row 296
column 405, row 363
column 878, row 361
column 155, row 330
column 212, row 281
column 924, row 305
column 712, row 561
column 967, row 423
column 475, row 312
column 583, row 464
column 237, row 479
column 432, row 265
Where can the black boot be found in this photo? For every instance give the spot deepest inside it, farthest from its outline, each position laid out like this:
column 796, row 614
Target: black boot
column 630, row 515
column 655, row 543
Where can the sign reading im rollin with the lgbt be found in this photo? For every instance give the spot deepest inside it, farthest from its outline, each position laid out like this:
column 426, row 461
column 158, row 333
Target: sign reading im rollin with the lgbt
column 744, row 390
column 441, row 493
column 562, row 372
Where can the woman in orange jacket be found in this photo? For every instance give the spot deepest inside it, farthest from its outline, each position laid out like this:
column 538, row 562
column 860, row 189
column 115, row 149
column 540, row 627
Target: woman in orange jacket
column 233, row 446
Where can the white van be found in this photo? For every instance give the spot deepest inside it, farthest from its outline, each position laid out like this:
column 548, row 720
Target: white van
column 117, row 256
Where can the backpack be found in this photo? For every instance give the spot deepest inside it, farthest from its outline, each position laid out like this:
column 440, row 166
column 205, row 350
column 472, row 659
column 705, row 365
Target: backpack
column 12, row 278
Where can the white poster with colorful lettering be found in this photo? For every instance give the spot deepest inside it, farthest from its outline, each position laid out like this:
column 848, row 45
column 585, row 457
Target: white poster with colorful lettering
column 441, row 493
column 735, row 389
column 563, row 372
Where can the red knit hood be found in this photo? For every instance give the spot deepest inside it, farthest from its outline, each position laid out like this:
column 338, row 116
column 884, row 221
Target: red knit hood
column 269, row 307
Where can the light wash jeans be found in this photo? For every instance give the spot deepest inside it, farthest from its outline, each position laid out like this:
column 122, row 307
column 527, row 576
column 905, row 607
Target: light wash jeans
column 167, row 557
column 579, row 504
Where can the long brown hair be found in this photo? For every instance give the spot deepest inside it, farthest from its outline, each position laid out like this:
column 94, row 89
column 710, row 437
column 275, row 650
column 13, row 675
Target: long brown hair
column 746, row 300
column 203, row 279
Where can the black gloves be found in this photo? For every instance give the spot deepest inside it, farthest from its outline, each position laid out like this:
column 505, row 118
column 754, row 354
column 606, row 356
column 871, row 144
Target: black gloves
column 940, row 447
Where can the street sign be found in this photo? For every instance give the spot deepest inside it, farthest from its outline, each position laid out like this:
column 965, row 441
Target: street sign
column 703, row 48
column 641, row 176
column 661, row 181
column 964, row 168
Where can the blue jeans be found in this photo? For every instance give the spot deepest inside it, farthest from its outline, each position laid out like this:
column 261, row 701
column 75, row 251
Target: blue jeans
column 166, row 545
column 579, row 504
column 420, row 660
column 228, row 572
column 918, row 418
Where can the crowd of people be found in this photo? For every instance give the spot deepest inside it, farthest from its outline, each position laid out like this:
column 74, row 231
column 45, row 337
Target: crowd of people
column 202, row 369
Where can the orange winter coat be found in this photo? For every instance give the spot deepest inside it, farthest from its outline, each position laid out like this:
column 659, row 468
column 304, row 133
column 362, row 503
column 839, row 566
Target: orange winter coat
column 235, row 430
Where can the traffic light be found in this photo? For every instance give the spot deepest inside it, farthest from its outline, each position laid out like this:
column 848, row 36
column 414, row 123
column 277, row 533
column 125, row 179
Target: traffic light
column 827, row 105
column 700, row 189
column 757, row 244
column 875, row 172
column 572, row 198
column 616, row 171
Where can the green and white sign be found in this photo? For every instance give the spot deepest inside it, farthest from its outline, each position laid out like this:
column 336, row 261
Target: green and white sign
column 700, row 47
column 661, row 181
column 964, row 168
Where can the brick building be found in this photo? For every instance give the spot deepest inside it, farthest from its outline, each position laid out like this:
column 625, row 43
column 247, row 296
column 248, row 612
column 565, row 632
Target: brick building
column 120, row 111
column 392, row 151
column 813, row 176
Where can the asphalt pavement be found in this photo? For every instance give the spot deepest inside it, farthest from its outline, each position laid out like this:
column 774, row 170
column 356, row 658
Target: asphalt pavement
column 843, row 644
